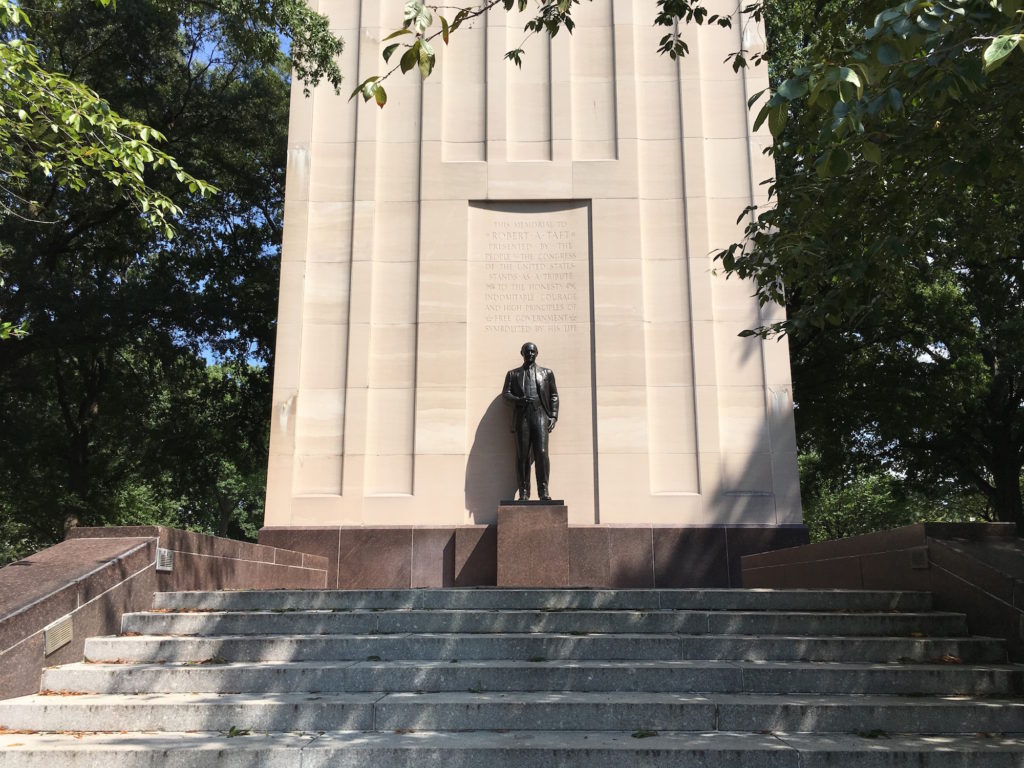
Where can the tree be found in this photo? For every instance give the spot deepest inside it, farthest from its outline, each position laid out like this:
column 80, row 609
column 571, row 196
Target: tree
column 902, row 279
column 109, row 408
column 53, row 124
column 50, row 124
column 859, row 499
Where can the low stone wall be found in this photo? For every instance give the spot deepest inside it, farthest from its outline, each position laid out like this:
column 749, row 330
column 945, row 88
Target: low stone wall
column 974, row 568
column 599, row 555
column 100, row 573
column 212, row 562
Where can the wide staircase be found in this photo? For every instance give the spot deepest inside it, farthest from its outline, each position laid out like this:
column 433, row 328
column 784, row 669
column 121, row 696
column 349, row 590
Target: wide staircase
column 489, row 677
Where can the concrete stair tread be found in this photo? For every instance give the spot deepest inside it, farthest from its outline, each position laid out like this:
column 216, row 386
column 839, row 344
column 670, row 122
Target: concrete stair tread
column 597, row 675
column 890, row 740
column 794, row 699
column 530, row 679
column 484, row 621
column 61, row 698
column 527, row 748
column 55, row 698
column 554, row 599
column 535, row 611
column 564, row 663
column 515, row 710
column 631, row 636
column 540, row 646
column 193, row 711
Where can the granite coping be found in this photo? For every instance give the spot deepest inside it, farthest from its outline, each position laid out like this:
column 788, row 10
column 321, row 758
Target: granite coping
column 49, row 584
column 906, row 537
column 1004, row 556
column 62, row 567
column 203, row 544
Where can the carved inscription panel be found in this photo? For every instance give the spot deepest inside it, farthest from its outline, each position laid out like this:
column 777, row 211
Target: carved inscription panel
column 529, row 280
column 530, row 271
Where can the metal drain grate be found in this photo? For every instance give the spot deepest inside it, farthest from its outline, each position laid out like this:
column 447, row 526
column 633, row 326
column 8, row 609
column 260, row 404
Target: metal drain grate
column 164, row 560
column 57, row 635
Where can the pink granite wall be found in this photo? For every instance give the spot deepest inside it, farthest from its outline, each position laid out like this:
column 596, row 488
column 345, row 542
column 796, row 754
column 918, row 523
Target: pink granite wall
column 599, row 555
column 973, row 568
column 98, row 574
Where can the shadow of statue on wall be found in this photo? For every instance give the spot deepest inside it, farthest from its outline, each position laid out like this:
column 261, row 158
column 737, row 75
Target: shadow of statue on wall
column 490, row 470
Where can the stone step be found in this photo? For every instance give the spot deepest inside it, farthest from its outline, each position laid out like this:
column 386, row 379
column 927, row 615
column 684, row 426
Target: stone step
column 522, row 749
column 694, row 712
column 192, row 711
column 538, row 647
column 498, row 675
column 514, row 710
column 518, row 621
column 549, row 599
column 529, row 679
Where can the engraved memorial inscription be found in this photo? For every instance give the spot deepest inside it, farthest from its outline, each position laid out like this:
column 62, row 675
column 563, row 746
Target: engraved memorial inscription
column 531, row 276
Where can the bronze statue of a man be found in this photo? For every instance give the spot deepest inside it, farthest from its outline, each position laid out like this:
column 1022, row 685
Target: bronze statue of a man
column 534, row 397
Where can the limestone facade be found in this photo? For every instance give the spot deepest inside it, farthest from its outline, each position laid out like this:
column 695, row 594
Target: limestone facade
column 575, row 203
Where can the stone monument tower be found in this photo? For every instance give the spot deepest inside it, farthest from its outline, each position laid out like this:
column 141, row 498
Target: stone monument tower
column 574, row 203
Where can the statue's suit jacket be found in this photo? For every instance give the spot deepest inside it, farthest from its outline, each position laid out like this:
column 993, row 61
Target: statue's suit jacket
column 547, row 392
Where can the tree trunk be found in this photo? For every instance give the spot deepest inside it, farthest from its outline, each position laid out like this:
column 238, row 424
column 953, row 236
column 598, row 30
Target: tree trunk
column 1005, row 496
column 1005, row 466
column 224, row 508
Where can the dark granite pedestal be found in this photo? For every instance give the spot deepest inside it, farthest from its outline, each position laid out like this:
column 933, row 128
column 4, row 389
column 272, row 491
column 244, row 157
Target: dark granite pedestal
column 533, row 544
column 637, row 556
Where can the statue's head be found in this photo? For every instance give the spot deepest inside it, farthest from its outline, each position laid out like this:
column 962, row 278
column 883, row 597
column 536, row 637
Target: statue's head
column 529, row 353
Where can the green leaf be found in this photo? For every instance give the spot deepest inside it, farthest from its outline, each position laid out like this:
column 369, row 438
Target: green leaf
column 396, row 33
column 390, row 50
column 761, row 117
column 821, row 164
column 888, row 54
column 369, row 87
column 362, row 88
column 426, row 59
column 445, row 30
column 410, row 57
column 839, row 162
column 847, row 75
column 793, row 88
column 998, row 50
column 1011, row 7
column 777, row 118
column 459, row 18
column 418, row 16
column 380, row 96
column 872, row 152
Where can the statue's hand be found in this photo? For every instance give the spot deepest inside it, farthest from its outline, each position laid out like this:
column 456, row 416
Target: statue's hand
column 551, row 424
